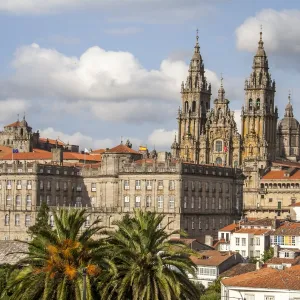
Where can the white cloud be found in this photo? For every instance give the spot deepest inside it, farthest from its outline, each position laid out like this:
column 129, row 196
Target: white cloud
column 123, row 31
column 161, row 139
column 149, row 11
column 237, row 118
column 109, row 84
column 281, row 34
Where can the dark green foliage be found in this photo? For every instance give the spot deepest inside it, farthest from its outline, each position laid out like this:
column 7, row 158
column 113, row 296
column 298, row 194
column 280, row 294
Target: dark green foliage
column 42, row 220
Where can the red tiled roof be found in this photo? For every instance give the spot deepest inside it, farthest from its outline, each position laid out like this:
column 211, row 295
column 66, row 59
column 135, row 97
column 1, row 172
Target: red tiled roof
column 288, row 228
column 15, row 124
column 211, row 257
column 79, row 156
column 51, row 141
column 28, row 156
column 253, row 231
column 98, row 151
column 267, row 278
column 279, row 261
column 279, row 175
column 230, row 227
column 295, row 204
column 122, row 149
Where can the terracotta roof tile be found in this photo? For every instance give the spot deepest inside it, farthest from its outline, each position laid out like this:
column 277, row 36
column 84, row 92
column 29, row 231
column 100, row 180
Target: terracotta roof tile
column 211, row 257
column 51, row 141
column 267, row 278
column 82, row 157
column 239, row 269
column 231, row 227
column 28, row 156
column 122, row 149
column 259, row 222
column 253, row 231
column 288, row 229
column 295, row 204
column 279, row 175
column 279, row 261
column 98, row 151
column 14, row 124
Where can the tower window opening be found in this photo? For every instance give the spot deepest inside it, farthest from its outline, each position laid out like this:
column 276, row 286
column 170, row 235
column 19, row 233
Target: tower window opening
column 21, row 131
column 218, row 146
column 250, row 104
column 186, row 106
column 194, row 106
column 206, row 105
column 258, row 103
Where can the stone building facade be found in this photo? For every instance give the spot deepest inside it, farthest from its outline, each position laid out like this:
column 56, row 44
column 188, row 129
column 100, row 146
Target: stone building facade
column 196, row 198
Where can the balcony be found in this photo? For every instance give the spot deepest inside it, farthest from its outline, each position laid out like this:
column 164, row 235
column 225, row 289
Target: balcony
column 149, row 187
column 126, row 187
column 137, row 187
column 19, row 187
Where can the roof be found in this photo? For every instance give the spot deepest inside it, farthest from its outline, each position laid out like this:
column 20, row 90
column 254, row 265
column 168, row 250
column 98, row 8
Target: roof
column 239, row 269
column 253, row 231
column 295, row 204
column 280, row 175
column 51, row 141
column 197, row 246
column 259, row 222
column 279, row 261
column 98, row 151
column 14, row 124
column 268, row 278
column 231, row 227
column 288, row 228
column 211, row 258
column 80, row 156
column 122, row 149
column 8, row 251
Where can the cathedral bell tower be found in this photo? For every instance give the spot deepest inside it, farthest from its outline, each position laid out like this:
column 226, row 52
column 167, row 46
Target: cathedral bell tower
column 259, row 116
column 195, row 95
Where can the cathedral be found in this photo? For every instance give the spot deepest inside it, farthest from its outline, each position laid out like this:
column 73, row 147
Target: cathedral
column 207, row 131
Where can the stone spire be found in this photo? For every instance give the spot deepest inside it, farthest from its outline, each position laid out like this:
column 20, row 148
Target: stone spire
column 289, row 108
column 221, row 91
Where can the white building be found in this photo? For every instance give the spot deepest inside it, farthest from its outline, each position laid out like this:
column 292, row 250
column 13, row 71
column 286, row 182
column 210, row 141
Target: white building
column 263, row 284
column 211, row 263
column 250, row 242
column 224, row 237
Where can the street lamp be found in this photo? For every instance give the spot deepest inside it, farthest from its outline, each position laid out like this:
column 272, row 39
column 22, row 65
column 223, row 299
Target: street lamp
column 84, row 284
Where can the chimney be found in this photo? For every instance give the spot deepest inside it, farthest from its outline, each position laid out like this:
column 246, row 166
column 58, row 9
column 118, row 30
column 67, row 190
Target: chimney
column 57, row 155
column 208, row 240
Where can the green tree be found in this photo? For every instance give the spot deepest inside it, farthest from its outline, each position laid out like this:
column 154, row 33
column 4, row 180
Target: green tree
column 56, row 260
column 149, row 265
column 213, row 292
column 42, row 220
column 267, row 254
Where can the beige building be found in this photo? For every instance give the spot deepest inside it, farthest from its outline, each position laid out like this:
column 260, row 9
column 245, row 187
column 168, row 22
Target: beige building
column 197, row 198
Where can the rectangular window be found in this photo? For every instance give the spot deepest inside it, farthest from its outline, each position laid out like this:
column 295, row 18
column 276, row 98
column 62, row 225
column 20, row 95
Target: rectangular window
column 148, row 201
column 27, row 220
column 257, row 253
column 78, row 188
column 8, row 200
column 199, row 202
column 193, row 223
column 93, row 187
column 172, row 185
column 29, row 184
column 185, row 202
column 17, row 220
column 137, row 201
column 192, row 202
column 199, row 220
column 57, row 185
column 126, row 201
column 137, row 184
column 48, row 185
column 8, row 184
column 237, row 241
column 213, row 203
column 65, row 186
column 160, row 184
column 149, row 185
column 243, row 252
column 172, row 202
column 19, row 184
column 18, row 200
column 78, row 201
column 243, row 242
column 160, row 202
column 186, row 185
column 269, row 297
column 251, row 253
column 200, row 186
column 249, row 297
column 257, row 241
column 206, row 202
column 57, row 200
column 220, row 203
column 48, row 199
column 251, row 241
column 193, row 185
column 126, row 184
column 206, row 186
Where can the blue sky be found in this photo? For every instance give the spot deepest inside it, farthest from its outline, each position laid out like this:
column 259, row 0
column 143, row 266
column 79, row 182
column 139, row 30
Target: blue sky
column 93, row 71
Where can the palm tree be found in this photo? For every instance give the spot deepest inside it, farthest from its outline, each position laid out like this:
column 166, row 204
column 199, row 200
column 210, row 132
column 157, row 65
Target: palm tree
column 57, row 258
column 149, row 264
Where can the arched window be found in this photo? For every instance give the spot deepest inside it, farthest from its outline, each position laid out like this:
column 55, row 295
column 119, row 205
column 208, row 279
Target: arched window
column 218, row 160
column 218, row 146
column 186, row 106
column 258, row 103
column 250, row 104
column 6, row 220
column 194, row 106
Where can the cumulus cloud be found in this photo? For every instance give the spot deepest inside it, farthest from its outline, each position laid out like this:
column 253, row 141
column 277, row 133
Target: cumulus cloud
column 281, row 35
column 110, row 85
column 161, row 138
column 11, row 107
column 150, row 11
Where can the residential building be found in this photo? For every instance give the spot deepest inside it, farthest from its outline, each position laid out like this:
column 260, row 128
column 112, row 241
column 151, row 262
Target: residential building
column 224, row 236
column 211, row 263
column 263, row 284
column 286, row 236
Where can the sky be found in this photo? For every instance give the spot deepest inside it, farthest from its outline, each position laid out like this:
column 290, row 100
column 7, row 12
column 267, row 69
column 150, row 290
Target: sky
column 96, row 72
